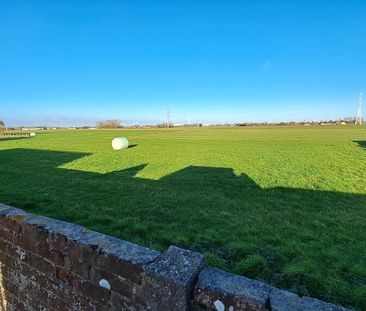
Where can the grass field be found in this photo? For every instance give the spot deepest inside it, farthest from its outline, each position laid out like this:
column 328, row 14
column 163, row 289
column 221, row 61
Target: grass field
column 285, row 205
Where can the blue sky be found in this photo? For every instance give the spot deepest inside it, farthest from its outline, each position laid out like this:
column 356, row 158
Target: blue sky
column 75, row 62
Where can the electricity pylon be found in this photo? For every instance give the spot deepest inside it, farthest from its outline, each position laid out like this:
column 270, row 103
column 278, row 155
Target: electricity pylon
column 359, row 110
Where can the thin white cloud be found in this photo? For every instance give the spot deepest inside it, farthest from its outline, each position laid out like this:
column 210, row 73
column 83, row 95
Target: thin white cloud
column 267, row 65
column 56, row 119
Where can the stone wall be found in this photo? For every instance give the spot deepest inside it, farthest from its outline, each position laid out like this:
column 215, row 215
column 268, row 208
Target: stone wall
column 47, row 264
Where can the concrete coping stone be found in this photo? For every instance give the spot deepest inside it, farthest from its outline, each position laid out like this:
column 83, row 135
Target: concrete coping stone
column 177, row 264
column 282, row 300
column 230, row 291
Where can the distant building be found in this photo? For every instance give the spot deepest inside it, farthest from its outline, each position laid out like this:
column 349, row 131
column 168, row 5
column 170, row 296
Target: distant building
column 32, row 128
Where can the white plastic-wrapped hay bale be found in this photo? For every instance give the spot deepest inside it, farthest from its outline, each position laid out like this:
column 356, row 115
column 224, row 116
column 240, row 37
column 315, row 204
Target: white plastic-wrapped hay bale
column 32, row 134
column 119, row 143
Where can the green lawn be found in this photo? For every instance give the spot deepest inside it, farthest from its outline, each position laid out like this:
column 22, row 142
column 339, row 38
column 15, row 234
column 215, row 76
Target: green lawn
column 285, row 205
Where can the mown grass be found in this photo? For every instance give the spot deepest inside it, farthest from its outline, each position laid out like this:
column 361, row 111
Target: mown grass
column 284, row 205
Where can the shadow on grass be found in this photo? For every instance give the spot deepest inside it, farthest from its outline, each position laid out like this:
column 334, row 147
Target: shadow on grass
column 361, row 143
column 12, row 138
column 311, row 242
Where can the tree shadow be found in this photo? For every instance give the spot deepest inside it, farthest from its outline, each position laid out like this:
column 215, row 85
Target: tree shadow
column 361, row 143
column 299, row 239
column 12, row 138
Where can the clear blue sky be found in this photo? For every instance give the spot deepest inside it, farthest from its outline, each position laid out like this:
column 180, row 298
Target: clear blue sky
column 74, row 62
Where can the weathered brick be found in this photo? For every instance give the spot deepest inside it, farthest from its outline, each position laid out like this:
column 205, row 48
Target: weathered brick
column 120, row 285
column 118, row 302
column 80, row 258
column 40, row 264
column 10, row 249
column 14, row 303
column 91, row 290
column 58, row 242
column 64, row 275
column 9, row 261
column 34, row 233
column 11, row 218
column 6, row 234
column 38, row 245
column 120, row 267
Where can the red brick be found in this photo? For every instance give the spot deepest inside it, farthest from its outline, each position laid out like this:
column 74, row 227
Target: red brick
column 64, row 275
column 123, row 286
column 58, row 242
column 120, row 267
column 40, row 264
column 13, row 222
column 92, row 290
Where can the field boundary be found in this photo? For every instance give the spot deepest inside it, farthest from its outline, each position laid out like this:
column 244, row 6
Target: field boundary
column 47, row 264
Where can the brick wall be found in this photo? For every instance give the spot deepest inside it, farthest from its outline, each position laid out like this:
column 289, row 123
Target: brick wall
column 47, row 264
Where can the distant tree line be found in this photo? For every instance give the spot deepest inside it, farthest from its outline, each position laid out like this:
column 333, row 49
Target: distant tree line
column 170, row 125
column 2, row 124
column 323, row 122
column 109, row 124
column 192, row 125
column 165, row 125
